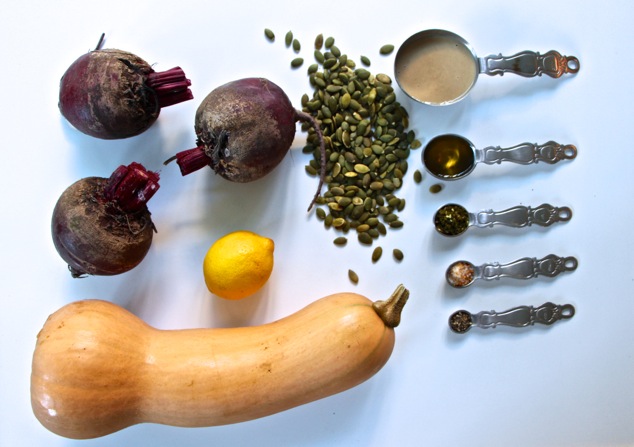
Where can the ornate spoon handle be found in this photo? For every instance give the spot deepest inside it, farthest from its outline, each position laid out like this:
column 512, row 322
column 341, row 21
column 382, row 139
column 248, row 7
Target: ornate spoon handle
column 527, row 268
column 523, row 216
column 527, row 153
column 523, row 316
column 530, row 64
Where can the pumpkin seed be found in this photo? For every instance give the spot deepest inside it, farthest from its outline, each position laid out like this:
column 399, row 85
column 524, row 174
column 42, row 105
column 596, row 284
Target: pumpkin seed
column 435, row 188
column 319, row 56
column 376, row 254
column 418, row 176
column 386, row 49
column 383, row 78
column 269, row 34
column 365, row 238
column 398, row 254
column 353, row 276
column 365, row 61
column 297, row 62
column 288, row 39
column 321, row 214
column 319, row 41
column 330, row 41
column 341, row 240
column 296, row 46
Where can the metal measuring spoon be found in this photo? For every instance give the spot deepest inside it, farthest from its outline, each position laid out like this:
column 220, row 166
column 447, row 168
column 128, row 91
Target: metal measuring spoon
column 438, row 67
column 463, row 273
column 453, row 219
column 548, row 313
column 452, row 157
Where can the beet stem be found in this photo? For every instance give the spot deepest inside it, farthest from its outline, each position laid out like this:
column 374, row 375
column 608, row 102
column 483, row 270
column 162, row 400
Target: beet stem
column 190, row 160
column 102, row 39
column 305, row 117
column 131, row 187
column 171, row 86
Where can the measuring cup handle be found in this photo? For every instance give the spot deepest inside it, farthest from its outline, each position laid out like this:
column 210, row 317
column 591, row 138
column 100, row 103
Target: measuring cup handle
column 527, row 268
column 528, row 153
column 530, row 64
column 522, row 216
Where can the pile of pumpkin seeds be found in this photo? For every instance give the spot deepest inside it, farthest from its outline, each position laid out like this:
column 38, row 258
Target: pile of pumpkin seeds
column 367, row 142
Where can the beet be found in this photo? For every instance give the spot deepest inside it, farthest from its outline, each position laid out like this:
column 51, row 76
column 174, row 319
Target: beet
column 113, row 94
column 244, row 129
column 102, row 226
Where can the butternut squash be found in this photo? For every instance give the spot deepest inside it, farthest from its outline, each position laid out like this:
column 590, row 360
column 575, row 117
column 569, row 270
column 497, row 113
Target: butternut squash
column 97, row 368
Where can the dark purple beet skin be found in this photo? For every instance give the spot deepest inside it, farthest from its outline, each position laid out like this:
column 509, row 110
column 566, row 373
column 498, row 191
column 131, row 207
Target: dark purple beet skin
column 244, row 129
column 113, row 94
column 102, row 226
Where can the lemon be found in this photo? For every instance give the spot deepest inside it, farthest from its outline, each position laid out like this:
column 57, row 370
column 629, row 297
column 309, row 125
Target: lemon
column 238, row 264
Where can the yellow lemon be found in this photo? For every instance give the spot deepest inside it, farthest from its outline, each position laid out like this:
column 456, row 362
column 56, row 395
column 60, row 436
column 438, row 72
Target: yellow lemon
column 238, row 264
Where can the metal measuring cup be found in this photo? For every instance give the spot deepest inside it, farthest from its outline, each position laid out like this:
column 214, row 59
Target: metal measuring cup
column 438, row 67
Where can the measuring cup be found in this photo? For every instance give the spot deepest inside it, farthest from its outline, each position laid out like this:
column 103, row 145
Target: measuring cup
column 462, row 274
column 522, row 316
column 438, row 67
column 452, row 157
column 453, row 219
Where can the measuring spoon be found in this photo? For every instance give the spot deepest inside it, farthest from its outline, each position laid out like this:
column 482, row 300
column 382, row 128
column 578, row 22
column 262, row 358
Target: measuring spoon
column 453, row 219
column 548, row 313
column 438, row 67
column 452, row 157
column 463, row 273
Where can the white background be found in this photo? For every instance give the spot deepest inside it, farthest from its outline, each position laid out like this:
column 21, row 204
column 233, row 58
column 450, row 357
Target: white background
column 566, row 385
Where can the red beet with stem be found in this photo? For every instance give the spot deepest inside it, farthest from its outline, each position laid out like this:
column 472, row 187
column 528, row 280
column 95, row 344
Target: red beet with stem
column 113, row 94
column 244, row 129
column 102, row 226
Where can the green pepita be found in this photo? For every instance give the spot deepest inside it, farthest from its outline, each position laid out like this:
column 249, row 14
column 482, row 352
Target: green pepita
column 353, row 276
column 341, row 240
column 386, row 49
column 376, row 254
column 288, row 39
column 319, row 41
column 269, row 34
column 398, row 254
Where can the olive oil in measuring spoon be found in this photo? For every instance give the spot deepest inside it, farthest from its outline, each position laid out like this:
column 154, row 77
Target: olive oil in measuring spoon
column 449, row 156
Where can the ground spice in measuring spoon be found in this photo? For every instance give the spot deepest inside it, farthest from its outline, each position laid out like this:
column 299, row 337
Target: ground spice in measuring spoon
column 451, row 220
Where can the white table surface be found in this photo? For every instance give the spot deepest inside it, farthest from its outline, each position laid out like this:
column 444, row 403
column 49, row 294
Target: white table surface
column 570, row 384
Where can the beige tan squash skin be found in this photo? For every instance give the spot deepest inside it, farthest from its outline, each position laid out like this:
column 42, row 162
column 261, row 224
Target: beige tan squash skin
column 97, row 368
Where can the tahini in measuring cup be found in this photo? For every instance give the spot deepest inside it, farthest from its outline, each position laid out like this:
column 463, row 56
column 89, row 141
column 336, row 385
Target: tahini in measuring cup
column 438, row 67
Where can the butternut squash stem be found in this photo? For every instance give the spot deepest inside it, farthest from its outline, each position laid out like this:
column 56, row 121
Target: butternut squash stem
column 390, row 310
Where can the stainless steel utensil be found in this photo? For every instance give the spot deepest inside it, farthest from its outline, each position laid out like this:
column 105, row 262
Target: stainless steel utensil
column 522, row 316
column 453, row 219
column 438, row 67
column 462, row 274
column 452, row 157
